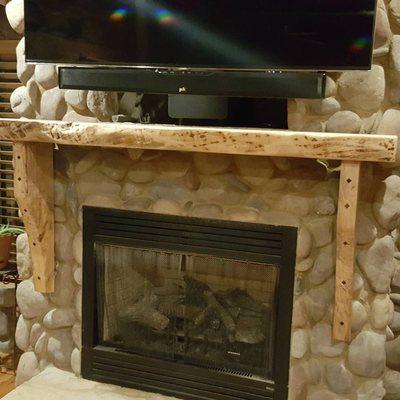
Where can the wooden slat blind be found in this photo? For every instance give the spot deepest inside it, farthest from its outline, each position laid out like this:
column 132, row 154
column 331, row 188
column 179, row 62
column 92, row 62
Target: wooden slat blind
column 8, row 82
column 8, row 204
column 8, row 77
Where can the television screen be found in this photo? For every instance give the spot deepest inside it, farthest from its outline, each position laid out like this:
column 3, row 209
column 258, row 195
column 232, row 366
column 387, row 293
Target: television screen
column 213, row 34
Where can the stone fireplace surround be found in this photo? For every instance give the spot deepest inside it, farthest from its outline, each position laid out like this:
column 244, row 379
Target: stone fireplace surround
column 291, row 192
column 356, row 102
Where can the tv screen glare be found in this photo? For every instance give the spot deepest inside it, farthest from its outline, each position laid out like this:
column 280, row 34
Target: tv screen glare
column 317, row 35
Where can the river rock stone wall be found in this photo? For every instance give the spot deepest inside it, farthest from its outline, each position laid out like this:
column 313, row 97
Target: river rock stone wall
column 241, row 188
column 360, row 101
column 356, row 101
column 40, row 97
column 272, row 191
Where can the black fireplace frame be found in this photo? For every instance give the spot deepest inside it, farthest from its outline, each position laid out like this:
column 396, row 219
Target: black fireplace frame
column 247, row 241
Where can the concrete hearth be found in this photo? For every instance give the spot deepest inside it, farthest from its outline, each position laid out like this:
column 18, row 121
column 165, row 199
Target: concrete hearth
column 55, row 384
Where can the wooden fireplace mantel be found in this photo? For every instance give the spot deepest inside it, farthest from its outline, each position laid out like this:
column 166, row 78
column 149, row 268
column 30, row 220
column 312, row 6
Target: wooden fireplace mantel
column 257, row 142
column 33, row 158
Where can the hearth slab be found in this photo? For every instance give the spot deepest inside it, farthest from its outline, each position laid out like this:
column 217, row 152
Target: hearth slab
column 55, row 384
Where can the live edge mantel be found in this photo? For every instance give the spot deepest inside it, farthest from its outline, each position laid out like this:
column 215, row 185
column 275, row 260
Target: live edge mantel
column 257, row 142
column 33, row 159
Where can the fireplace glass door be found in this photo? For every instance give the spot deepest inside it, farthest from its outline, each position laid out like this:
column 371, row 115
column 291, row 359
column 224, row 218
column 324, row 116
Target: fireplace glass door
column 191, row 308
column 202, row 310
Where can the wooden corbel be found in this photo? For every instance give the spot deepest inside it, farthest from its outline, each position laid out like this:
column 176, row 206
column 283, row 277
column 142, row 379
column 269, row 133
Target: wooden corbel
column 34, row 192
column 346, row 248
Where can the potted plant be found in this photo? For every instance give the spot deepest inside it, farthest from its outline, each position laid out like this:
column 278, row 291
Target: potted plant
column 7, row 235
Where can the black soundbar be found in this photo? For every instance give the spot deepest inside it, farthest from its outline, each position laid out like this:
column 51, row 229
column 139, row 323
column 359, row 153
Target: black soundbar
column 272, row 84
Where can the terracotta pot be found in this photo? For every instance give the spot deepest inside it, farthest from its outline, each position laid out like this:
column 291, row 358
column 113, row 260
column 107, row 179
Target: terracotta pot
column 5, row 248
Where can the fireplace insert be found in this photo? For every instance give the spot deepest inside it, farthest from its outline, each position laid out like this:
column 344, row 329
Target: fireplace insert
column 187, row 307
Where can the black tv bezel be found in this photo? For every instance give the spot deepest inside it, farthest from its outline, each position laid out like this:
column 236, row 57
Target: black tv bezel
column 203, row 68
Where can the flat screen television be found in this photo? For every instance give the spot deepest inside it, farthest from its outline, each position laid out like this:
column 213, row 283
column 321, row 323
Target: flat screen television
column 318, row 35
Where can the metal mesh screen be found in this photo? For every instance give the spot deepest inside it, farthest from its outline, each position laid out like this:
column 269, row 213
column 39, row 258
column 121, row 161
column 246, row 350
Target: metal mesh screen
column 205, row 310
column 124, row 282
